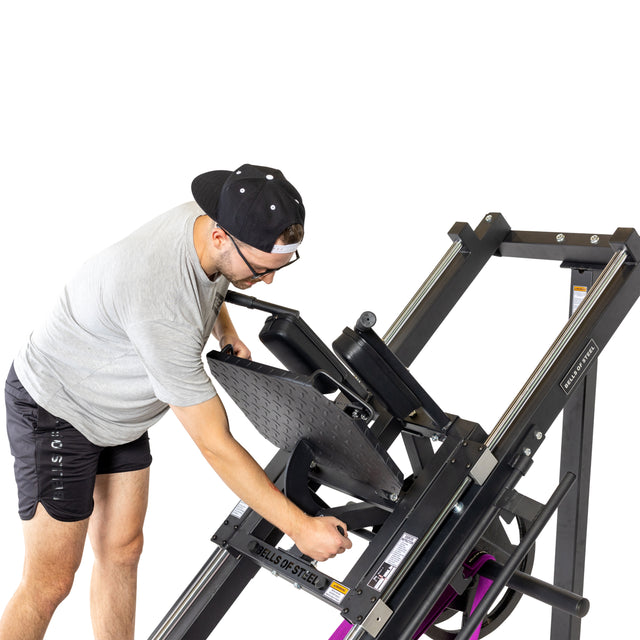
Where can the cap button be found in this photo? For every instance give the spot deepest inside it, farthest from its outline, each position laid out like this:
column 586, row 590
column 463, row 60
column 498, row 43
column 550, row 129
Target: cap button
column 269, row 176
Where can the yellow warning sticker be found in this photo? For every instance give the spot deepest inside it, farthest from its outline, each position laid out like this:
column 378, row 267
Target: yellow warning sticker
column 579, row 294
column 336, row 592
column 339, row 587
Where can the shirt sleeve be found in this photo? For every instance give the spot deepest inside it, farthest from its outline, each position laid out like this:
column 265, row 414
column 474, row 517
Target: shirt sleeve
column 171, row 354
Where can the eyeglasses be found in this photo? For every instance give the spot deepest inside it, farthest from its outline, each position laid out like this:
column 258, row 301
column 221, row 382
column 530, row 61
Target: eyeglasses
column 258, row 275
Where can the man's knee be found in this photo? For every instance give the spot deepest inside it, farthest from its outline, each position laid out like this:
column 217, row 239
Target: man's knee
column 47, row 589
column 53, row 555
column 121, row 550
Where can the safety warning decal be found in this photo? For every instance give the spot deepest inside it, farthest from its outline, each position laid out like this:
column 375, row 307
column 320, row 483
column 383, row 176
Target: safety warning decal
column 579, row 294
column 336, row 592
column 392, row 561
column 240, row 509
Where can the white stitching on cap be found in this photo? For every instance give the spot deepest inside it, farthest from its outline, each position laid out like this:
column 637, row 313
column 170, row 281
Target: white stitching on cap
column 285, row 248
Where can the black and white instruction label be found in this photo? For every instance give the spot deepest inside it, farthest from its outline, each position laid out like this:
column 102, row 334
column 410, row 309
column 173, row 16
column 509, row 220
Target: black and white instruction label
column 392, row 561
column 240, row 509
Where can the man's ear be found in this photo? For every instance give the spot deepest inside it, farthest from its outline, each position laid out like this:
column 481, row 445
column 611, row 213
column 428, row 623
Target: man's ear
column 219, row 237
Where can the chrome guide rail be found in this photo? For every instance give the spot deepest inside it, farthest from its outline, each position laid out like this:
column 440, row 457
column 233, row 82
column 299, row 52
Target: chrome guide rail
column 560, row 343
column 200, row 582
column 421, row 294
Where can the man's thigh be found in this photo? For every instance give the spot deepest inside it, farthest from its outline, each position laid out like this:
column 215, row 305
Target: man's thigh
column 120, row 501
column 53, row 549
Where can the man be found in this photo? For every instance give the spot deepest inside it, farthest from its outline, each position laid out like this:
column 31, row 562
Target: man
column 123, row 344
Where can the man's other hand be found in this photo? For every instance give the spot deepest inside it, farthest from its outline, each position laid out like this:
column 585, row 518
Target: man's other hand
column 320, row 539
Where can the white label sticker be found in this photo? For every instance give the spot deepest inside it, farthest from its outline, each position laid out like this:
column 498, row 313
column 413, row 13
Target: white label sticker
column 579, row 294
column 392, row 561
column 240, row 510
column 336, row 592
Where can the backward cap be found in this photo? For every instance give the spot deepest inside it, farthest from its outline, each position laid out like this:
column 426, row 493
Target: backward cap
column 254, row 204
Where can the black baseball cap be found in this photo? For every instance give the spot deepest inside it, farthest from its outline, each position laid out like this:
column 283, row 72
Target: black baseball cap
column 254, row 204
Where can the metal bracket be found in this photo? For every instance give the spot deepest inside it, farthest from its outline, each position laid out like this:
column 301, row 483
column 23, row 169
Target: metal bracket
column 377, row 618
column 483, row 467
column 513, row 504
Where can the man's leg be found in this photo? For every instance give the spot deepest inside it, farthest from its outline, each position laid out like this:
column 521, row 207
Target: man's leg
column 115, row 531
column 53, row 551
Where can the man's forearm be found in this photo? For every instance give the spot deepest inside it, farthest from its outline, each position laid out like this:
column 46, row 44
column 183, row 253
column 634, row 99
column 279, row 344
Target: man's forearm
column 236, row 467
column 223, row 325
column 207, row 425
column 242, row 474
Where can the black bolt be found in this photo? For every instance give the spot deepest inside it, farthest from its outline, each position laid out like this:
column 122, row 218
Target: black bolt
column 254, row 547
column 359, row 618
column 345, row 611
column 359, row 592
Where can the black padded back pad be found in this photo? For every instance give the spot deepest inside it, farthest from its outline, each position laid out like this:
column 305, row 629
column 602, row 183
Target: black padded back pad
column 286, row 408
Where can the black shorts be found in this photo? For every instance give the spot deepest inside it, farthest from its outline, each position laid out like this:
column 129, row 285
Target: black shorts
column 54, row 463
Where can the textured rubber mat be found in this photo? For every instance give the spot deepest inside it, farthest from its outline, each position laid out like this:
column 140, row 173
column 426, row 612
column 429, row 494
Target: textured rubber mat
column 285, row 408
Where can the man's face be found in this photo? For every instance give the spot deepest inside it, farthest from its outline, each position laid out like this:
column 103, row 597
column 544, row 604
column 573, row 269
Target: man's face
column 245, row 266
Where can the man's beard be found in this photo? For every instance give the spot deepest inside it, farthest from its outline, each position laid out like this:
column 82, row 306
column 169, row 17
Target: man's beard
column 241, row 284
column 223, row 268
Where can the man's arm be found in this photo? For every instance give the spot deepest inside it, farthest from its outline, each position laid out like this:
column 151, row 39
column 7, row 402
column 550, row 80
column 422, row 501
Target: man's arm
column 225, row 333
column 207, row 424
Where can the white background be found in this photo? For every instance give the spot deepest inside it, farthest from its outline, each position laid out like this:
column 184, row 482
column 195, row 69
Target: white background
column 394, row 120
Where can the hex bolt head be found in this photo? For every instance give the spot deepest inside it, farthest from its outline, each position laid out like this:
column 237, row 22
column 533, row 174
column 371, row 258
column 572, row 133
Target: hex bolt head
column 595, row 239
column 560, row 237
column 527, row 452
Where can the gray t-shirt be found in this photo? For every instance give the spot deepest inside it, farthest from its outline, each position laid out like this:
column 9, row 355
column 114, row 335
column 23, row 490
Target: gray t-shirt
column 125, row 339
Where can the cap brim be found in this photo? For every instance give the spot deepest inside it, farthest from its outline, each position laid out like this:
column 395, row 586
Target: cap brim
column 206, row 189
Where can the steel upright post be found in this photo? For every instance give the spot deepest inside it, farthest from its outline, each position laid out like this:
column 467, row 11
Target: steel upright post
column 575, row 457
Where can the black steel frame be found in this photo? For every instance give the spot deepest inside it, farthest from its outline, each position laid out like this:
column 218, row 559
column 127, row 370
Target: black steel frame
column 452, row 502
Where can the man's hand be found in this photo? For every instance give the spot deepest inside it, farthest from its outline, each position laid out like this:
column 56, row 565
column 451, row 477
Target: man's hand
column 240, row 349
column 320, row 539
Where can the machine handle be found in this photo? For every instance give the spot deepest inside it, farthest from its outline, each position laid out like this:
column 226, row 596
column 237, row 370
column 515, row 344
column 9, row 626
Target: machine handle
column 557, row 597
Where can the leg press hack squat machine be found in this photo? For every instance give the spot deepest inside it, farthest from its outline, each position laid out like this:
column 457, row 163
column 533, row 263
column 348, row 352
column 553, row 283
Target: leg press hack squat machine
column 437, row 543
